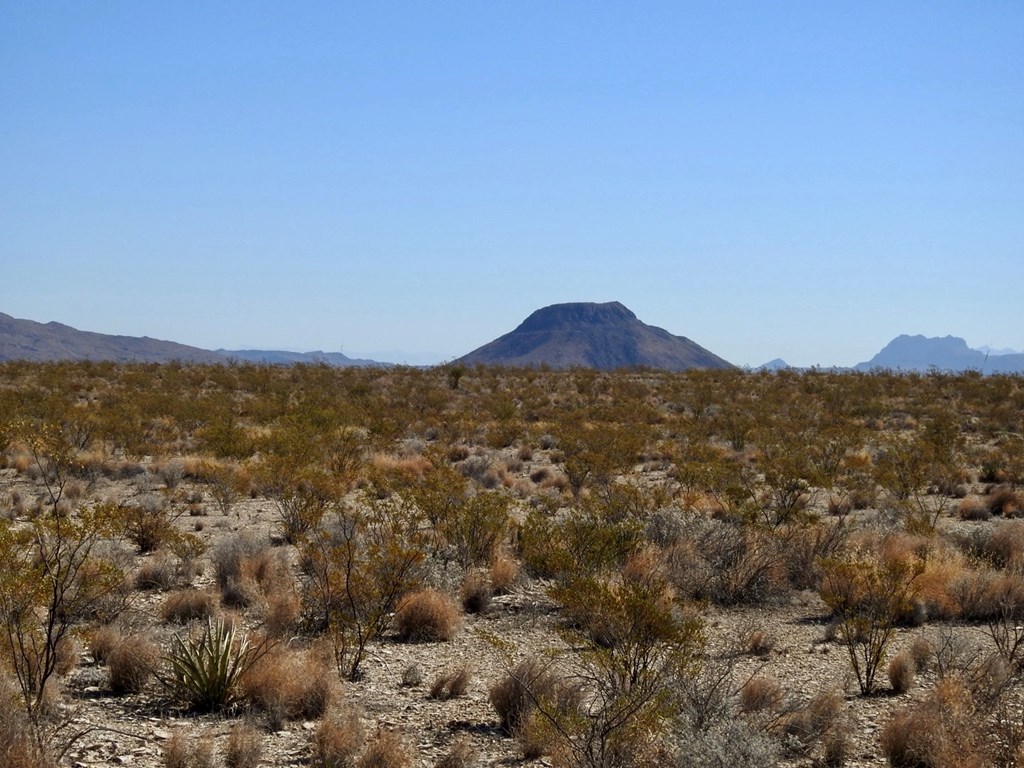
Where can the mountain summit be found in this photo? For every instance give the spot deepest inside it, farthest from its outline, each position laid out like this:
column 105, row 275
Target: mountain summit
column 588, row 335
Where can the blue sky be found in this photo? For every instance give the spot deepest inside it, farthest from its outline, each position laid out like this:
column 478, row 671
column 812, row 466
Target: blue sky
column 408, row 181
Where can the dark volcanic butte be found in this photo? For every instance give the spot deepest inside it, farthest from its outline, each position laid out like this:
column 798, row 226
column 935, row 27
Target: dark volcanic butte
column 588, row 335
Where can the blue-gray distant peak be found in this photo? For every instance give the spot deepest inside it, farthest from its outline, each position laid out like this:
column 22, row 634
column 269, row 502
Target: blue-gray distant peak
column 945, row 353
column 589, row 335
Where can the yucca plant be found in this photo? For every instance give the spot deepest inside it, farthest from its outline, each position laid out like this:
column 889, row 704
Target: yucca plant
column 205, row 669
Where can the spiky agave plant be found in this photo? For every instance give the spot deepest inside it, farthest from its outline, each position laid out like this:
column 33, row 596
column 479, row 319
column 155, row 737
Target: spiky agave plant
column 205, row 669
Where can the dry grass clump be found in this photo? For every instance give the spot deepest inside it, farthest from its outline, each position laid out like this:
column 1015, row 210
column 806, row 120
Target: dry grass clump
column 759, row 642
column 283, row 610
column 940, row 732
column 1003, row 500
column 132, row 662
column 338, row 739
column 67, row 655
column 515, row 696
column 230, row 555
column 101, row 641
column 973, row 508
column 818, row 720
column 159, row 572
column 188, row 605
column 760, row 694
column 425, row 616
column 504, row 573
column 476, row 592
column 183, row 752
column 921, row 652
column 460, row 755
column 901, row 672
column 385, row 750
column 450, row 685
column 935, row 587
column 287, row 685
column 985, row 595
column 18, row 745
column 244, row 748
column 1005, row 547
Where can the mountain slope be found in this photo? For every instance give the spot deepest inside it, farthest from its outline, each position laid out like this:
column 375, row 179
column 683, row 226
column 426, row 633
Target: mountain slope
column 40, row 342
column 44, row 342
column 589, row 335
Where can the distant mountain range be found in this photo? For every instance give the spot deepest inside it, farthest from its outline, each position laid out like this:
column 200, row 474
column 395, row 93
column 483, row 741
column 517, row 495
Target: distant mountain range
column 948, row 353
column 602, row 336
column 923, row 354
column 29, row 340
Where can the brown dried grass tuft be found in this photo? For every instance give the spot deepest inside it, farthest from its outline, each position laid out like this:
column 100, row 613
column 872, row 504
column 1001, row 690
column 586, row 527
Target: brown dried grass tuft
column 939, row 732
column 476, row 592
column 901, row 672
column 188, row 605
column 287, row 685
column 460, row 755
column 1005, row 501
column 18, row 746
column 386, row 749
column 973, row 508
column 338, row 739
column 515, row 696
column 426, row 615
column 504, row 573
column 182, row 752
column 450, row 685
column 132, row 662
column 101, row 641
column 244, row 748
column 760, row 694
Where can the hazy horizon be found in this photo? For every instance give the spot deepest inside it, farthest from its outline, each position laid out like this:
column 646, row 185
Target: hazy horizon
column 803, row 182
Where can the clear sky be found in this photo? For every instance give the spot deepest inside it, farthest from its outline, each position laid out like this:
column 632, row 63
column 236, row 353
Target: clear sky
column 409, row 180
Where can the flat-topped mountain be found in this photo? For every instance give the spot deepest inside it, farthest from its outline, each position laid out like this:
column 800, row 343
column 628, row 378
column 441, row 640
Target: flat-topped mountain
column 946, row 353
column 588, row 335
